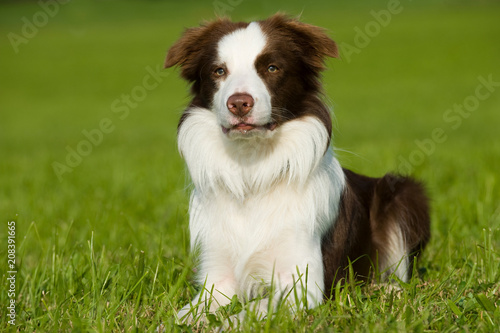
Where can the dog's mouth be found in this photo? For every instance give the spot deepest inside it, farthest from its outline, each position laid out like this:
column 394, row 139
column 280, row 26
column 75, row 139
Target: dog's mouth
column 244, row 128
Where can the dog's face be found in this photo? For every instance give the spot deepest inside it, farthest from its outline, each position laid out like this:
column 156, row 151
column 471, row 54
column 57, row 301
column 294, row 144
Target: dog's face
column 242, row 100
column 254, row 76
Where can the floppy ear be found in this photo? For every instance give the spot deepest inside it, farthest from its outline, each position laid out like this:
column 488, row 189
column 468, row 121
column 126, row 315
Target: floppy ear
column 313, row 41
column 190, row 52
column 316, row 37
column 185, row 51
column 178, row 53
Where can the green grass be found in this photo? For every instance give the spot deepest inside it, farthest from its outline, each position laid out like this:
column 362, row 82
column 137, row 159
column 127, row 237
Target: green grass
column 106, row 247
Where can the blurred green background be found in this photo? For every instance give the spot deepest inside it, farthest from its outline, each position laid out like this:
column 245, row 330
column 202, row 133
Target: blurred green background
column 72, row 67
column 66, row 68
column 64, row 79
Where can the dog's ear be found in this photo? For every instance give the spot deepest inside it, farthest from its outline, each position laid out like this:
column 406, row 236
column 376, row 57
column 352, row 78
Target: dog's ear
column 313, row 41
column 185, row 50
column 189, row 51
column 179, row 53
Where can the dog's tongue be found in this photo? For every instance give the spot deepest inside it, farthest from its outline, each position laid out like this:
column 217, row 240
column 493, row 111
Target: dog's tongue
column 244, row 127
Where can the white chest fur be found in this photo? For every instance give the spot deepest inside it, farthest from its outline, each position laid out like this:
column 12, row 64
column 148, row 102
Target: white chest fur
column 260, row 205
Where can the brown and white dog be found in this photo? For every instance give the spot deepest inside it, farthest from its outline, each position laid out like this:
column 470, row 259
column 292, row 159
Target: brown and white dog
column 271, row 203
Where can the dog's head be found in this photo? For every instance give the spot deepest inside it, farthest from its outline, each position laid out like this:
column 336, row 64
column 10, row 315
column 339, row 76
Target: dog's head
column 254, row 76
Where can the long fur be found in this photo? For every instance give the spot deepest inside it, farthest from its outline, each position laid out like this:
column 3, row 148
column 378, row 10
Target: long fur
column 271, row 203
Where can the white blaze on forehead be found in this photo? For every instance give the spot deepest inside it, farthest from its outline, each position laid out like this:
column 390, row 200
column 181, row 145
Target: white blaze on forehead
column 237, row 52
column 239, row 49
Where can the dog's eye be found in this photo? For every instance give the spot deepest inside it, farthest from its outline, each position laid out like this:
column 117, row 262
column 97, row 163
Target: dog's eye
column 220, row 72
column 272, row 69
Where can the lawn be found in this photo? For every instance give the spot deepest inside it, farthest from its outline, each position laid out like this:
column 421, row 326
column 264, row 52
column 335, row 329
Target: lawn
column 91, row 176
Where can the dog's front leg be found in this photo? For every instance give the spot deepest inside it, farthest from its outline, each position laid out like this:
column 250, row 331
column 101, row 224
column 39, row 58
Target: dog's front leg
column 218, row 288
column 297, row 282
column 300, row 285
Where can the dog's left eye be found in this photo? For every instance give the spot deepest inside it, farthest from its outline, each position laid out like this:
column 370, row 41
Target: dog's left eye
column 272, row 69
column 220, row 72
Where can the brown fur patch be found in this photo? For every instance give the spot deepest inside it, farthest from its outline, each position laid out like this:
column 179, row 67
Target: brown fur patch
column 299, row 51
column 368, row 210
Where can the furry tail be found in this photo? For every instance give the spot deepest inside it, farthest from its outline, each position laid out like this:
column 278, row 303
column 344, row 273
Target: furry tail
column 400, row 224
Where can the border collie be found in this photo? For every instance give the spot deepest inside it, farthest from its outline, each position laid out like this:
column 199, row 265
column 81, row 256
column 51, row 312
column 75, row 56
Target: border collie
column 271, row 203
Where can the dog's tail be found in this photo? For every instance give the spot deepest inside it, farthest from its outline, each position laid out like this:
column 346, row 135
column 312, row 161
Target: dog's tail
column 400, row 224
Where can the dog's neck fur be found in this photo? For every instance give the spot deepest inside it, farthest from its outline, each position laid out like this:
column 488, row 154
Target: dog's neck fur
column 245, row 166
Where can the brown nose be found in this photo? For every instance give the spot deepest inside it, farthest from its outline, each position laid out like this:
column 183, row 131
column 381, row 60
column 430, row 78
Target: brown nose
column 240, row 104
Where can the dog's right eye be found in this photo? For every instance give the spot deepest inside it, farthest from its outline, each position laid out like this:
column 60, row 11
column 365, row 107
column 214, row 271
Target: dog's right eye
column 272, row 69
column 220, row 72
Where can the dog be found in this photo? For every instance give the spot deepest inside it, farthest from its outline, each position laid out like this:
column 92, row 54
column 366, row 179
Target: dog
column 272, row 208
